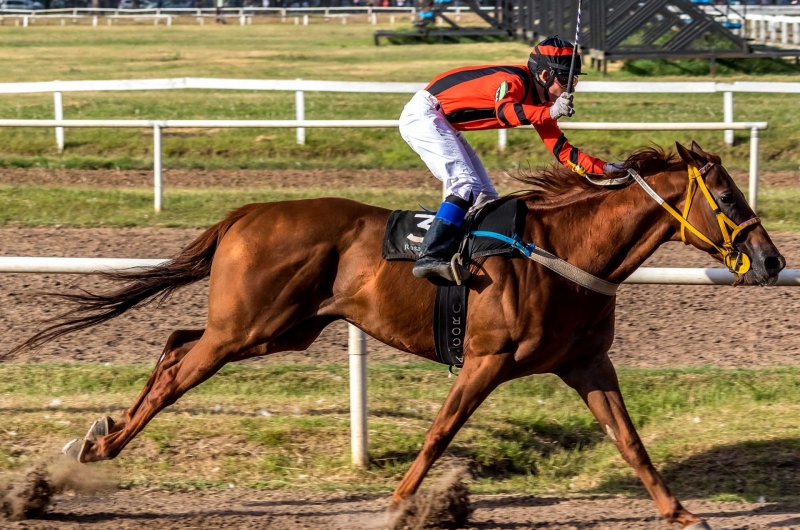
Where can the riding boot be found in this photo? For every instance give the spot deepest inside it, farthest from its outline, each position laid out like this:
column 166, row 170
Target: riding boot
column 441, row 243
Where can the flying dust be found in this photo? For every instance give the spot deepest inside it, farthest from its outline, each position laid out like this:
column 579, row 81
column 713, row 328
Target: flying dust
column 29, row 493
column 446, row 505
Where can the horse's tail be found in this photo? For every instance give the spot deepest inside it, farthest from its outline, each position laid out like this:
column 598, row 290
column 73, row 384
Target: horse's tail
column 138, row 287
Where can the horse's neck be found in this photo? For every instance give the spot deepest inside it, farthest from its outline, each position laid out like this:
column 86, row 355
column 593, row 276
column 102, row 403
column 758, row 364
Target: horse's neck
column 612, row 234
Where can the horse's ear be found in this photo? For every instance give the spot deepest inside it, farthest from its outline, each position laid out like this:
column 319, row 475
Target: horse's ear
column 690, row 157
column 699, row 150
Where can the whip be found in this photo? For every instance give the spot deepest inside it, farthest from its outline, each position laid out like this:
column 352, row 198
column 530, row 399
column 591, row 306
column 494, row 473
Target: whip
column 570, row 83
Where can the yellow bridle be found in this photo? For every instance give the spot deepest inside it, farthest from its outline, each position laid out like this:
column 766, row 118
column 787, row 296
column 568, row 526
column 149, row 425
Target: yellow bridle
column 737, row 262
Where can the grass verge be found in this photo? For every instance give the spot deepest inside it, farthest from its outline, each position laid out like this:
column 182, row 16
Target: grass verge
column 43, row 206
column 714, row 433
column 779, row 208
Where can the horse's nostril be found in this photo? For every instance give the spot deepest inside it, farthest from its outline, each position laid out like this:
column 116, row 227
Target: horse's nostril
column 774, row 263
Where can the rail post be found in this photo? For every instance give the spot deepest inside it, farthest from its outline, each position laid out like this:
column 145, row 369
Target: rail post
column 727, row 111
column 752, row 190
column 502, row 139
column 300, row 111
column 58, row 105
column 157, row 176
column 359, row 441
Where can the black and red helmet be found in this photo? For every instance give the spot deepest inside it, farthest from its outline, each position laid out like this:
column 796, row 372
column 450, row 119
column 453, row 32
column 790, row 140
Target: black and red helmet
column 553, row 54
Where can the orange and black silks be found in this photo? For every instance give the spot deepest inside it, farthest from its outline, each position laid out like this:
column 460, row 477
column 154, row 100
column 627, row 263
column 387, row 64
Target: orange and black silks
column 476, row 98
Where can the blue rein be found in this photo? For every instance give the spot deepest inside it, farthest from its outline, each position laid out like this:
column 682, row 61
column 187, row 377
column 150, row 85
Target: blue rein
column 515, row 242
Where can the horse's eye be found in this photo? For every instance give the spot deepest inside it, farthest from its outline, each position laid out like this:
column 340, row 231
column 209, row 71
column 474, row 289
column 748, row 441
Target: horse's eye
column 728, row 198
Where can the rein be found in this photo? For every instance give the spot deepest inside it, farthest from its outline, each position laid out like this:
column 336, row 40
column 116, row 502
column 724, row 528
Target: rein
column 737, row 262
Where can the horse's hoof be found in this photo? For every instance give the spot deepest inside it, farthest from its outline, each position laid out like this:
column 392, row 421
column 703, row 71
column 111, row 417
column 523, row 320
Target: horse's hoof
column 75, row 449
column 702, row 525
column 99, row 428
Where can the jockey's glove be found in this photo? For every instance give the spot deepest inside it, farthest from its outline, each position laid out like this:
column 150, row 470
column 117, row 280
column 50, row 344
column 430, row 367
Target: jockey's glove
column 614, row 167
column 562, row 107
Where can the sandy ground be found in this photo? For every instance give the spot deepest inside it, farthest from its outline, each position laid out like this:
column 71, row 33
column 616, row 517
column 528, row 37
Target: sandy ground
column 265, row 178
column 657, row 326
column 342, row 511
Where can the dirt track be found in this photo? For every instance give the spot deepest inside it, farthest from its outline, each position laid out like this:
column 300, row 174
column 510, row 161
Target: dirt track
column 341, row 511
column 266, row 178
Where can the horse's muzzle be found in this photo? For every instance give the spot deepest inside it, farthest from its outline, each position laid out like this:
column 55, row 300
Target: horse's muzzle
column 765, row 270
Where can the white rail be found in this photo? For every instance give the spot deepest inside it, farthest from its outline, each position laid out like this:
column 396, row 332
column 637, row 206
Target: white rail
column 357, row 342
column 158, row 127
column 300, row 86
column 644, row 275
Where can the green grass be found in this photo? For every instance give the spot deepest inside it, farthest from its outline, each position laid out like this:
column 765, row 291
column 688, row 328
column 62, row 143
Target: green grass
column 714, row 433
column 277, row 51
column 779, row 208
column 74, row 206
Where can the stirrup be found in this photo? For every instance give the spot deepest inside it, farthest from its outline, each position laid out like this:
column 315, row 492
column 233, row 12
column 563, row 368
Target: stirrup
column 457, row 268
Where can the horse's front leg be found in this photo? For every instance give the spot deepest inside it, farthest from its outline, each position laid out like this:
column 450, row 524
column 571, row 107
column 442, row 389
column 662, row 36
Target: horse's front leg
column 596, row 381
column 474, row 383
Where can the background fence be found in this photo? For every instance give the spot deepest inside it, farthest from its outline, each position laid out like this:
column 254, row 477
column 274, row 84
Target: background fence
column 159, row 126
column 300, row 86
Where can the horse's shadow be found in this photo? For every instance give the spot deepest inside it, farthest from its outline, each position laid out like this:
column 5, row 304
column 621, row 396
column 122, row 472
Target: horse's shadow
column 528, row 440
column 746, row 470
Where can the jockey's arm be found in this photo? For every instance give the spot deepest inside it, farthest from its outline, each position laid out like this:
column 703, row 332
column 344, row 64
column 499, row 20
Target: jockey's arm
column 512, row 113
column 565, row 152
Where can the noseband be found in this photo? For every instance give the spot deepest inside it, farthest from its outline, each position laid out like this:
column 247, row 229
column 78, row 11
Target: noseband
column 736, row 261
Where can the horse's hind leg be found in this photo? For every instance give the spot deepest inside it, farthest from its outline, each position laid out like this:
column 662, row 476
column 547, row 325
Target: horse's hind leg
column 179, row 343
column 204, row 359
column 596, row 381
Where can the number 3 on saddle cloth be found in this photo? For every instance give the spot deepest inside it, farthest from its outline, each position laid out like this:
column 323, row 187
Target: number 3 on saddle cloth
column 403, row 237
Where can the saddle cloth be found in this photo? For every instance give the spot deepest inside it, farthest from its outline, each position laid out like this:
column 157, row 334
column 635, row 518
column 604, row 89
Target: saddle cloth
column 406, row 229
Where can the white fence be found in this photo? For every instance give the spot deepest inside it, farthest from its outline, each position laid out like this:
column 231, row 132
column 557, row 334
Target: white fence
column 300, row 87
column 357, row 346
column 158, row 127
column 245, row 15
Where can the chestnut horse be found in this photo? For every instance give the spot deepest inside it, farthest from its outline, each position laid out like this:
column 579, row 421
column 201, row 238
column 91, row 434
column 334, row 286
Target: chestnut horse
column 281, row 272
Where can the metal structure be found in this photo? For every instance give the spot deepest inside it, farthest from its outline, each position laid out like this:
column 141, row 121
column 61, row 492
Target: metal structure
column 666, row 29
column 614, row 29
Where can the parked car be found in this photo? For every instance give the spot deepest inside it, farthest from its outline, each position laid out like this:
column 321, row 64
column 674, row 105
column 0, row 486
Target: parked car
column 21, row 5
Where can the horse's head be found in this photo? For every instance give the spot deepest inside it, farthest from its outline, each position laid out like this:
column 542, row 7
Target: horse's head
column 741, row 232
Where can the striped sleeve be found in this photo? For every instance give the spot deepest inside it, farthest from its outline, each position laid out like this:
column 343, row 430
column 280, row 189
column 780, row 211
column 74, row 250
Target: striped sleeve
column 509, row 108
column 565, row 152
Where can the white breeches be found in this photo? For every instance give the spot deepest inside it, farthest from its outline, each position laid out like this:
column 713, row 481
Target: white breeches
column 444, row 150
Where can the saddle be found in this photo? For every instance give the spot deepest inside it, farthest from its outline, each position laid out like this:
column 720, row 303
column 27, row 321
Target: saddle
column 491, row 231
column 505, row 218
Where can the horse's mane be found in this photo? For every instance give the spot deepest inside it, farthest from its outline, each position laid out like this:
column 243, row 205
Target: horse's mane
column 559, row 183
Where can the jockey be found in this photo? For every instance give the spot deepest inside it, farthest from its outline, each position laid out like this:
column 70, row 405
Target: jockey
column 478, row 98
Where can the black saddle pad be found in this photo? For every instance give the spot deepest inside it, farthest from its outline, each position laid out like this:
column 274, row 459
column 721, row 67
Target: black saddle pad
column 406, row 229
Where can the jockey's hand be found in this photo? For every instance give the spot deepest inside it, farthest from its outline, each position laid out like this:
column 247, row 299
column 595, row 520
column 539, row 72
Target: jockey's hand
column 562, row 107
column 614, row 167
